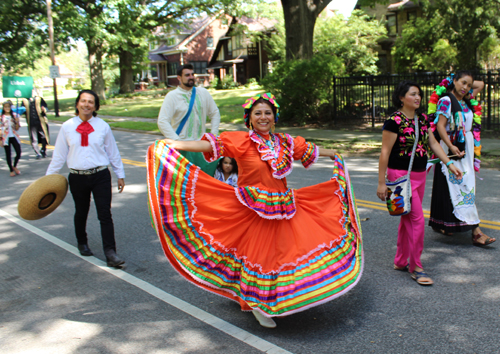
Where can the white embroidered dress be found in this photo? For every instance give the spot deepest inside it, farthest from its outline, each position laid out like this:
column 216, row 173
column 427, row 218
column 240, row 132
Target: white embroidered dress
column 462, row 192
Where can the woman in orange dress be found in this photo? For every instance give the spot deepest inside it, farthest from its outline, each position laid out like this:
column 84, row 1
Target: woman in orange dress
column 273, row 249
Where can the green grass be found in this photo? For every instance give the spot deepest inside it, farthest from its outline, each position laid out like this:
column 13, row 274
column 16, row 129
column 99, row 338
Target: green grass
column 142, row 126
column 66, row 100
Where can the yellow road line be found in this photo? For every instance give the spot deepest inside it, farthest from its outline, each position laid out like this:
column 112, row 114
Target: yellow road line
column 381, row 206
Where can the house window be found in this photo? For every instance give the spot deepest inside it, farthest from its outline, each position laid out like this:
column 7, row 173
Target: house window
column 170, row 41
column 252, row 49
column 210, row 42
column 237, row 41
column 392, row 28
column 229, row 48
column 221, row 56
column 200, row 67
column 153, row 45
column 153, row 71
column 412, row 15
column 172, row 69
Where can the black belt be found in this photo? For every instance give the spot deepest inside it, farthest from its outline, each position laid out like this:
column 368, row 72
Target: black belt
column 90, row 171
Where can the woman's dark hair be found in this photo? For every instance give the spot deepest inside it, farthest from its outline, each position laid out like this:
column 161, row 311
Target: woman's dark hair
column 457, row 76
column 9, row 102
column 401, row 90
column 96, row 101
column 233, row 161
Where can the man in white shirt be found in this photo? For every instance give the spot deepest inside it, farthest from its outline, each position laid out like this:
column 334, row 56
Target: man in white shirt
column 86, row 143
column 175, row 108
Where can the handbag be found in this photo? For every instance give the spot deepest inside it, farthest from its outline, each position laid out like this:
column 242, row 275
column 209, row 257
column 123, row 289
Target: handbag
column 399, row 191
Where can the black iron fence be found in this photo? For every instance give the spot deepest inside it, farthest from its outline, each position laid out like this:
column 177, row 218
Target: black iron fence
column 368, row 99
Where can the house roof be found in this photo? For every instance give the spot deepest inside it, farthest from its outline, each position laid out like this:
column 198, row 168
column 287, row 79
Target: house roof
column 257, row 24
column 192, row 29
column 154, row 58
column 405, row 4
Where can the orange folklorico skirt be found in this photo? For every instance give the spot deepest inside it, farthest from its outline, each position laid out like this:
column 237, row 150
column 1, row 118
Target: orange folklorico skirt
column 278, row 267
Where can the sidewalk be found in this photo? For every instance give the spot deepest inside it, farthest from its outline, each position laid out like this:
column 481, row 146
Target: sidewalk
column 490, row 146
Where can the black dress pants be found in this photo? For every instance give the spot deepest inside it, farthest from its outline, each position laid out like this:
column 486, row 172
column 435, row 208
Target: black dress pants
column 99, row 184
column 17, row 147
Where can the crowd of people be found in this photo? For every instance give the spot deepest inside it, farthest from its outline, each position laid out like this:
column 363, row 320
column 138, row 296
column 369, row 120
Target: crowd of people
column 221, row 206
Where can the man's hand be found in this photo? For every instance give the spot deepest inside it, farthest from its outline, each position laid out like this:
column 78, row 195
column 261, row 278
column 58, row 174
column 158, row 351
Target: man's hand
column 121, row 184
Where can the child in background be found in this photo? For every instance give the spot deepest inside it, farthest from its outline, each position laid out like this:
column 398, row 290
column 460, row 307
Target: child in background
column 227, row 171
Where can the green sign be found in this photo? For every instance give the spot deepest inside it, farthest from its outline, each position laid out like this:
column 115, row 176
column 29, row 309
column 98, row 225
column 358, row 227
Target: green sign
column 17, row 86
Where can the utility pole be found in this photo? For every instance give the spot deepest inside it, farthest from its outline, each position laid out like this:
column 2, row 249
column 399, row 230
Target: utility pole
column 52, row 56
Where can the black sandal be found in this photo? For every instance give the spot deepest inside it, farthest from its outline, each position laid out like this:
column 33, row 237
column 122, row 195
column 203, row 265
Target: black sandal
column 488, row 241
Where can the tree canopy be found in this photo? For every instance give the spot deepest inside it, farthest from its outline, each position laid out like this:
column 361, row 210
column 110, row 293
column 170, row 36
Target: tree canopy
column 449, row 35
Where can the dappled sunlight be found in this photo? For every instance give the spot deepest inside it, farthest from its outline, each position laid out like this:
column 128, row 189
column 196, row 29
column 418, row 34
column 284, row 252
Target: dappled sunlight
column 492, row 293
column 462, row 278
column 47, row 339
column 6, row 246
column 134, row 189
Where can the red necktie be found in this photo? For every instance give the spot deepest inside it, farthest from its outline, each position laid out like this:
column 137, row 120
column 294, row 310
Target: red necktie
column 85, row 129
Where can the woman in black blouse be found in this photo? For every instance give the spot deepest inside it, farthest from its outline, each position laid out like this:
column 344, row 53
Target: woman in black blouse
column 398, row 137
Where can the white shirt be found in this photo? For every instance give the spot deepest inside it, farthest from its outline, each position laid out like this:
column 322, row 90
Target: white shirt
column 101, row 151
column 174, row 108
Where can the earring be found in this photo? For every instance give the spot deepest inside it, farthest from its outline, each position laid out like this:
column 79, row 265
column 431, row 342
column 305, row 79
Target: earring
column 272, row 129
column 251, row 127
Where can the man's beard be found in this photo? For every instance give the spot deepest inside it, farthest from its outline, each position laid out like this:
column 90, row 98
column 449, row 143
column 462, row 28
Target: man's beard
column 189, row 83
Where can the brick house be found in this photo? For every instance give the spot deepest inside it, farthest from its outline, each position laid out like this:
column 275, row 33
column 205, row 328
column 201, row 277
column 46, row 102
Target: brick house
column 237, row 53
column 397, row 14
column 193, row 43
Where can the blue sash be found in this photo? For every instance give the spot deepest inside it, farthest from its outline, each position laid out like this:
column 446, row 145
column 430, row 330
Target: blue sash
column 184, row 120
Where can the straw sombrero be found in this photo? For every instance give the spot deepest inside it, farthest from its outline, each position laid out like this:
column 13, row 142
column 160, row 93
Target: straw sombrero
column 42, row 197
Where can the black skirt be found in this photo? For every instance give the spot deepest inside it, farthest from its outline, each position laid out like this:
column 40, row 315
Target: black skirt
column 442, row 216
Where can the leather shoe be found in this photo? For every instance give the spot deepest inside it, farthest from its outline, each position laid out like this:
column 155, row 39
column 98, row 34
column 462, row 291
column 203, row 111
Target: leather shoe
column 113, row 260
column 84, row 250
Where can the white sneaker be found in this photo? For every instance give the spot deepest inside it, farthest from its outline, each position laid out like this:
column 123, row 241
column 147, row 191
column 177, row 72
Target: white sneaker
column 263, row 320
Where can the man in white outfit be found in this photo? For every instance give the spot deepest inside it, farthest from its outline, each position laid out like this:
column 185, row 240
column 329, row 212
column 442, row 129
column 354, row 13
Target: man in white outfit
column 175, row 107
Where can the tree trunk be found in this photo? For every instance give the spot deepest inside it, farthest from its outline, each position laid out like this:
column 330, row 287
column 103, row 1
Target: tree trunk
column 96, row 71
column 126, row 72
column 300, row 18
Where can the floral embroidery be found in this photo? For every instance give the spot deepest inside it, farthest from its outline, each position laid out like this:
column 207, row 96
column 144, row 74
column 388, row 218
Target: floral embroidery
column 407, row 134
column 469, row 198
column 454, row 179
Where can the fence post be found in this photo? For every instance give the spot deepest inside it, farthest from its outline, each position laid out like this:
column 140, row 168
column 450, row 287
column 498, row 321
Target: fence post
column 334, row 113
column 373, row 102
column 488, row 120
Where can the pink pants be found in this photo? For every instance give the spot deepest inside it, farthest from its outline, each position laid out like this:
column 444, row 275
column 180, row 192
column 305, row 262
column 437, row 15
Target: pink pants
column 412, row 225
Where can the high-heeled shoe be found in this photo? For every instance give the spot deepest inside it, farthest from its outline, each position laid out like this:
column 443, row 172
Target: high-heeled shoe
column 263, row 320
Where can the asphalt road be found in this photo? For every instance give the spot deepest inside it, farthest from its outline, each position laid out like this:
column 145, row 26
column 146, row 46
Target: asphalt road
column 52, row 300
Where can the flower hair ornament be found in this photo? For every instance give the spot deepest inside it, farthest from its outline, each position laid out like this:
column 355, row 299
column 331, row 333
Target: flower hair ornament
column 476, row 124
column 251, row 101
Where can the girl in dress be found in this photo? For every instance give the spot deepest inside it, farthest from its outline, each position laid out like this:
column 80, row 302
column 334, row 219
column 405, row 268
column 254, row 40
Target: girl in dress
column 227, row 171
column 273, row 249
column 9, row 136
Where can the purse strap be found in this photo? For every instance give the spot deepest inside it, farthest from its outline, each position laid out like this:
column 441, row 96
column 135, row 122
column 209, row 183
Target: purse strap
column 415, row 119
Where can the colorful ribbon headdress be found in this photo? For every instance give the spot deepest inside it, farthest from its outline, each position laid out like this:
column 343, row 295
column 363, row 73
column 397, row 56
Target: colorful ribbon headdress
column 251, row 101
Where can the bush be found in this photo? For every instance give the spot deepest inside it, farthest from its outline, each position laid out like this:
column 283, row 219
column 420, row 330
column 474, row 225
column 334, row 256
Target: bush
column 226, row 83
column 304, row 89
